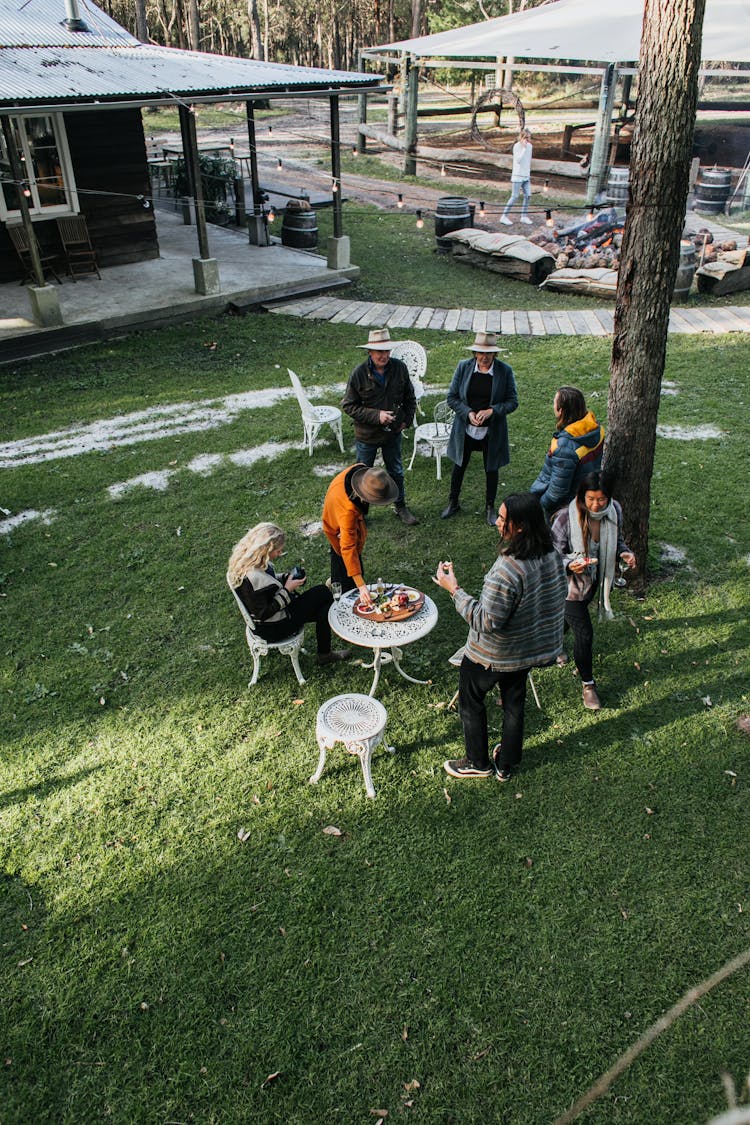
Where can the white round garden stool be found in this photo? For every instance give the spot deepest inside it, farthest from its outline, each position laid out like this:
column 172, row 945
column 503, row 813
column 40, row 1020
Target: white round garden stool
column 359, row 722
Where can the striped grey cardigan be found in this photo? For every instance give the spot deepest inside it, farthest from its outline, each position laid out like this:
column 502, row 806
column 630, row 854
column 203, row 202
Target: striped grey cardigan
column 517, row 621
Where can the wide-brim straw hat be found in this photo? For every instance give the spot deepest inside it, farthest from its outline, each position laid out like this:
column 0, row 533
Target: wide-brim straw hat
column 379, row 340
column 374, row 486
column 484, row 342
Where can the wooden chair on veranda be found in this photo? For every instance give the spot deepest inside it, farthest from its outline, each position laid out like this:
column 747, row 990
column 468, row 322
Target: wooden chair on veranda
column 79, row 253
column 20, row 240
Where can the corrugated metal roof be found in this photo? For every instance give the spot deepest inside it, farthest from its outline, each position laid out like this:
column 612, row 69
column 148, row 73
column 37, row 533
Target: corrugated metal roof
column 30, row 75
column 39, row 23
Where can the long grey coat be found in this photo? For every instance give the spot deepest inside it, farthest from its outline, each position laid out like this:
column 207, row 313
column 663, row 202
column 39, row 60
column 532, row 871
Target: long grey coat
column 503, row 400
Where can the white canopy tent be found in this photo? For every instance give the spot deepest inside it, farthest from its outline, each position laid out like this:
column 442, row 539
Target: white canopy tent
column 579, row 29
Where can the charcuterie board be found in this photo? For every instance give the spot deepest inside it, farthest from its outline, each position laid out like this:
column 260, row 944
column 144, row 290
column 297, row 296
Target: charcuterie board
column 389, row 606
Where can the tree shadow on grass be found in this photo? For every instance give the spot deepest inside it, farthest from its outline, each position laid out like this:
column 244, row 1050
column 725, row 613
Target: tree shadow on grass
column 43, row 788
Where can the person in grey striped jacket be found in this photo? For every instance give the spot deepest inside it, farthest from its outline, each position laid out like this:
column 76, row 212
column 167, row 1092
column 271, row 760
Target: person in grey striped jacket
column 514, row 625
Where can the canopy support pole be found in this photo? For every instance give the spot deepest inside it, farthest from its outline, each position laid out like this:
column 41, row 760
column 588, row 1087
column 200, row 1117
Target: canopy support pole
column 362, row 105
column 600, row 148
column 410, row 138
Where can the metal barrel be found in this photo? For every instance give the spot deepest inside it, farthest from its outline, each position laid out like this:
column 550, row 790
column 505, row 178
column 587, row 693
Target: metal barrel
column 618, row 186
column 712, row 190
column 685, row 271
column 452, row 213
column 299, row 229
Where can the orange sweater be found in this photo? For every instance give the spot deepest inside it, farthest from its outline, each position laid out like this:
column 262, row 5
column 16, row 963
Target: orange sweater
column 344, row 525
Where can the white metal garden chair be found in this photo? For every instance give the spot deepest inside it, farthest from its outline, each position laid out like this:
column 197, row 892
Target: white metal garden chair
column 436, row 434
column 290, row 646
column 415, row 357
column 315, row 417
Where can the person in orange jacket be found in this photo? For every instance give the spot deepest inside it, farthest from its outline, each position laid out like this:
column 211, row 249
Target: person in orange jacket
column 346, row 504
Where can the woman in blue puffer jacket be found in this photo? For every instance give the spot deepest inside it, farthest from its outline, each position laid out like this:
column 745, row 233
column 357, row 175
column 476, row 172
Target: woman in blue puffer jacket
column 576, row 450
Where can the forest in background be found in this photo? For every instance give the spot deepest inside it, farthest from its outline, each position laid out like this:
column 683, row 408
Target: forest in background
column 326, row 33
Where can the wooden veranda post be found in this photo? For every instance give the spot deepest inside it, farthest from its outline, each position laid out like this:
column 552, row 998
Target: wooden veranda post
column 338, row 218
column 257, row 228
column 192, row 164
column 600, row 148
column 659, row 173
column 23, row 207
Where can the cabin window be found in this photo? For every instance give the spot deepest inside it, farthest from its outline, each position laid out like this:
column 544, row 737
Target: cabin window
column 47, row 173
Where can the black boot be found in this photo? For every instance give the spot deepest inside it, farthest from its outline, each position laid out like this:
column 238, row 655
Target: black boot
column 451, row 509
column 491, row 515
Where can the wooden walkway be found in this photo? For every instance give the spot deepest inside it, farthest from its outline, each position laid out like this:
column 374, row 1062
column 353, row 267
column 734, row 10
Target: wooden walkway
column 571, row 322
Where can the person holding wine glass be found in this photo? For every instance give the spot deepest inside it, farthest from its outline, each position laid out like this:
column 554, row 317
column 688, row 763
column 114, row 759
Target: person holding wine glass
column 588, row 535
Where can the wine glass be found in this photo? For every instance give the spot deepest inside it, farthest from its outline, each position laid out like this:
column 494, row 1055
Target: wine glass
column 336, row 590
column 621, row 580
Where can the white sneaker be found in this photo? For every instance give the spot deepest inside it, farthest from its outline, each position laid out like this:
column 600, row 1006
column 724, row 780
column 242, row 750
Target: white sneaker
column 525, row 219
column 507, row 222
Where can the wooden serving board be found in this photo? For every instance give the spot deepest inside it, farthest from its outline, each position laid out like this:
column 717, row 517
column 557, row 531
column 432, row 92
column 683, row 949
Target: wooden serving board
column 393, row 612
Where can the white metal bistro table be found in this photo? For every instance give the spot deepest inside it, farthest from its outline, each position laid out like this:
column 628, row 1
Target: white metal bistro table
column 383, row 637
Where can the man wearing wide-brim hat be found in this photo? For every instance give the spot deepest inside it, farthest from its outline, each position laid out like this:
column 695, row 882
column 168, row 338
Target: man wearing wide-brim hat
column 379, row 398
column 482, row 394
column 346, row 504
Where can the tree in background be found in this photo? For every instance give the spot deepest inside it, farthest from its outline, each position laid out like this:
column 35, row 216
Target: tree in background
column 659, row 169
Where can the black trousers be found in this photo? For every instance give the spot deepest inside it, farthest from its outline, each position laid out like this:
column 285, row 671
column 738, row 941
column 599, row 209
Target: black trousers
column 471, row 445
column 578, row 620
column 312, row 605
column 338, row 572
column 474, row 682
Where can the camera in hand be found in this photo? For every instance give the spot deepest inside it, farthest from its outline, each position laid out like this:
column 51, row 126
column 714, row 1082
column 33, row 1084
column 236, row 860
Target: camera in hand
column 298, row 572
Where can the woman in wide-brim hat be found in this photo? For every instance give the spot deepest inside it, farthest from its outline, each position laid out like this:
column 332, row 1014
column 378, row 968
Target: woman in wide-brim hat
column 346, row 504
column 482, row 393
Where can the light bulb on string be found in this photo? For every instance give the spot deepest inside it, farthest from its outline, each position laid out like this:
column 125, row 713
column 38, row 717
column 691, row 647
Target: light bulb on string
column 27, row 191
column 420, row 220
column 279, row 164
column 482, row 211
column 545, row 188
column 270, row 128
column 354, row 150
column 334, row 185
column 442, row 170
column 590, row 215
column 548, row 219
column 271, row 214
column 400, row 202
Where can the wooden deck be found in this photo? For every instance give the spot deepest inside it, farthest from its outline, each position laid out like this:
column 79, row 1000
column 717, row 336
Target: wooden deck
column 572, row 322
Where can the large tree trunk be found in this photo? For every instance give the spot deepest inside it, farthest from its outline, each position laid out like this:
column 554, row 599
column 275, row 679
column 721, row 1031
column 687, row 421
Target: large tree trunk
column 255, row 33
column 659, row 167
column 141, row 26
column 194, row 26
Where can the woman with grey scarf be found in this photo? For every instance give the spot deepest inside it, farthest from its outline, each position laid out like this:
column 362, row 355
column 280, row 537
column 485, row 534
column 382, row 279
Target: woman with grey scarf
column 588, row 535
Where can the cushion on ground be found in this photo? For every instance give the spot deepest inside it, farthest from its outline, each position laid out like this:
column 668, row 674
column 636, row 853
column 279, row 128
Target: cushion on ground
column 599, row 282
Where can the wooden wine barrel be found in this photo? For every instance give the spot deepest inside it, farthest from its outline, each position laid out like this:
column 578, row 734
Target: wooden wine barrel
column 299, row 229
column 685, row 271
column 452, row 213
column 712, row 190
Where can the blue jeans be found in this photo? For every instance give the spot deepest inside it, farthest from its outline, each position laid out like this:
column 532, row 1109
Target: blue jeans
column 391, row 450
column 516, row 187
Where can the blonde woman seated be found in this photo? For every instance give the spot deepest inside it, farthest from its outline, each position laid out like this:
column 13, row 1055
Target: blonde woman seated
column 274, row 602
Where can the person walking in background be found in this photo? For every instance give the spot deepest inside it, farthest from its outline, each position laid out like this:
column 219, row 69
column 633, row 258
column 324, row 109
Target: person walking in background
column 482, row 393
column 514, row 625
column 520, row 178
column 274, row 601
column 588, row 536
column 575, row 450
column 380, row 400
column 346, row 504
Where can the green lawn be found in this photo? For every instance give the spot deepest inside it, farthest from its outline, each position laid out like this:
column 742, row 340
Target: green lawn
column 464, row 952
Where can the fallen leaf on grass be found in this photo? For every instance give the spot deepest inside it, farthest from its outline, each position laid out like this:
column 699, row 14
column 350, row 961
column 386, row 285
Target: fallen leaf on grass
column 413, row 1085
column 636, row 665
column 28, row 961
column 405, row 1033
column 282, row 931
column 649, row 812
column 332, row 830
column 743, row 724
column 243, row 834
column 447, row 795
column 481, row 1054
column 381, row 1113
column 269, row 1079
column 256, row 799
column 706, row 700
column 298, row 702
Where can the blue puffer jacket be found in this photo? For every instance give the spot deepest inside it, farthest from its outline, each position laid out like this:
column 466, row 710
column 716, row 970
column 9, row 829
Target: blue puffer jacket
column 574, row 452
